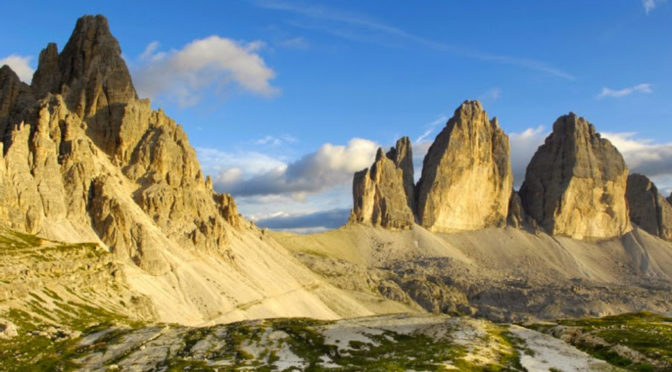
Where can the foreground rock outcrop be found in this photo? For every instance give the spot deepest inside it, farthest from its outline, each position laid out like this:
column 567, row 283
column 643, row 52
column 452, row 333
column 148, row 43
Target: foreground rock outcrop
column 466, row 178
column 383, row 194
column 648, row 208
column 575, row 184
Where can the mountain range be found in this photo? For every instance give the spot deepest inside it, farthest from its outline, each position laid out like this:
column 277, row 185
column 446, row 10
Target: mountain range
column 105, row 215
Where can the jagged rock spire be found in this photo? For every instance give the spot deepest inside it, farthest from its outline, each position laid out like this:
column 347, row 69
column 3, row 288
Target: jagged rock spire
column 383, row 194
column 89, row 69
column 466, row 178
column 575, row 184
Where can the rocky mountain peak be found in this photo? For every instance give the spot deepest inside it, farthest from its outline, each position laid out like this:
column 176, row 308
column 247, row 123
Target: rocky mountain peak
column 466, row 178
column 383, row 194
column 648, row 208
column 575, row 184
column 402, row 156
column 90, row 66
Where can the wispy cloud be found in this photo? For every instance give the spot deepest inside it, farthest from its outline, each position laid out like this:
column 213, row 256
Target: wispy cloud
column 618, row 93
column 650, row 5
column 215, row 62
column 491, row 94
column 431, row 128
column 351, row 25
column 20, row 65
column 275, row 140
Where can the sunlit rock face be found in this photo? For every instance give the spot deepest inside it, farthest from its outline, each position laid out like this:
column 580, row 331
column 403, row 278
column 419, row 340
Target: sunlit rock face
column 85, row 160
column 575, row 184
column 467, row 180
column 383, row 194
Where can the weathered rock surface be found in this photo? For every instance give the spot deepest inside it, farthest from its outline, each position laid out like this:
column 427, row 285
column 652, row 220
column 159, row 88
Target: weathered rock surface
column 648, row 208
column 14, row 96
column 383, row 194
column 575, row 184
column 88, row 161
column 466, row 178
column 89, row 72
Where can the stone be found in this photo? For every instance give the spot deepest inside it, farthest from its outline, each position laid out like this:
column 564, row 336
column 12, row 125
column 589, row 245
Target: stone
column 7, row 330
column 575, row 183
column 516, row 216
column 648, row 208
column 383, row 193
column 466, row 178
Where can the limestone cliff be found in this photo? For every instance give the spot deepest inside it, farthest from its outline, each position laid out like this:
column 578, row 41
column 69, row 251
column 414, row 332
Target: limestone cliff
column 466, row 178
column 648, row 208
column 383, row 194
column 575, row 184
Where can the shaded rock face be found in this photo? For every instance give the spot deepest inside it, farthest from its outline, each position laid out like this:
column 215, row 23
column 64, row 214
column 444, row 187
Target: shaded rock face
column 466, row 178
column 14, row 96
column 648, row 208
column 383, row 194
column 575, row 184
column 88, row 161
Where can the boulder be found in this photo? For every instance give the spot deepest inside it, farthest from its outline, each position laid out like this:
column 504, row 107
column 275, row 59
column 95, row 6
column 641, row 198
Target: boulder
column 575, row 184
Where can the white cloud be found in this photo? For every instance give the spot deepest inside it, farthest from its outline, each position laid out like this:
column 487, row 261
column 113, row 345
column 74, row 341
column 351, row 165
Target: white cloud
column 640, row 88
column 650, row 5
column 523, row 146
column 20, row 65
column 213, row 62
column 259, row 174
column 644, row 156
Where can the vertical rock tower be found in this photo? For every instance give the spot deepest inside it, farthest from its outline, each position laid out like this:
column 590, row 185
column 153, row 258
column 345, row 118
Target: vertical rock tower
column 383, row 194
column 575, row 184
column 467, row 180
column 648, row 208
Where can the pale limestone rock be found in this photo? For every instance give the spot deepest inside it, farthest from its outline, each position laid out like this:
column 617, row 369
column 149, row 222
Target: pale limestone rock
column 383, row 193
column 7, row 330
column 466, row 178
column 575, row 184
column 648, row 208
column 107, row 169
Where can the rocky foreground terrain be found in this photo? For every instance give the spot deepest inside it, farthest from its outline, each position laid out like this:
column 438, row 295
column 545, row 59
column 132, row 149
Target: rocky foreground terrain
column 116, row 252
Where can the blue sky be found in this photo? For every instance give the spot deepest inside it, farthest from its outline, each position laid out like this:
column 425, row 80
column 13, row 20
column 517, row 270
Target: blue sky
column 284, row 100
